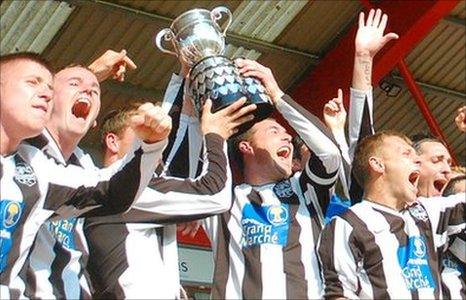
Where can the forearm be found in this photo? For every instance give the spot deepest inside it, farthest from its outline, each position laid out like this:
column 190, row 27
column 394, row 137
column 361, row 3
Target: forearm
column 170, row 200
column 74, row 191
column 313, row 132
column 361, row 119
column 362, row 72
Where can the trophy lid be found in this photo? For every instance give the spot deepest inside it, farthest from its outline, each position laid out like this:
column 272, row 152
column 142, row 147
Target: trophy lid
column 190, row 17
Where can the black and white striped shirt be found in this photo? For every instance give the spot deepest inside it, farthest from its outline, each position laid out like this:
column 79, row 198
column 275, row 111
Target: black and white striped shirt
column 373, row 251
column 34, row 187
column 139, row 256
column 264, row 247
column 55, row 267
column 126, row 259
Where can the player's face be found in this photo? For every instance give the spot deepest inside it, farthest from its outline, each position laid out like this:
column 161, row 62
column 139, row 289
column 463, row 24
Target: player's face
column 401, row 168
column 26, row 93
column 272, row 149
column 435, row 169
column 76, row 101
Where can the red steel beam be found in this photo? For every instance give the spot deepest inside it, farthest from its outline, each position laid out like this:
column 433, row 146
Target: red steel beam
column 411, row 20
column 416, row 92
column 413, row 87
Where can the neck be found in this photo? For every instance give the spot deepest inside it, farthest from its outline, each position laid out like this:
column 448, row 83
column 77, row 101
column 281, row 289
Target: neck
column 66, row 143
column 258, row 176
column 109, row 158
column 378, row 192
column 8, row 144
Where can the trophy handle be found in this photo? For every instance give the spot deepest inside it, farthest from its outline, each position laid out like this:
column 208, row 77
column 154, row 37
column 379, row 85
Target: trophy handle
column 167, row 35
column 216, row 15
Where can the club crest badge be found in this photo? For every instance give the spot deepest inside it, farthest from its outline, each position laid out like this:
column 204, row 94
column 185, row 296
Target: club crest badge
column 283, row 189
column 418, row 212
column 24, row 174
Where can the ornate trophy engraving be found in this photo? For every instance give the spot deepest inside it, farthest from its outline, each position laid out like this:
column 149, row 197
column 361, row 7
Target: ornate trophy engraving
column 199, row 41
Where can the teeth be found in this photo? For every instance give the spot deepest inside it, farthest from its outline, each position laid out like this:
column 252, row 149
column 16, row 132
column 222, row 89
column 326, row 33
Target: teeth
column 283, row 151
column 84, row 100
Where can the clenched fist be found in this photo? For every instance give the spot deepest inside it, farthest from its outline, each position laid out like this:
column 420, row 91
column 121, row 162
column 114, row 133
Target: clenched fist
column 150, row 123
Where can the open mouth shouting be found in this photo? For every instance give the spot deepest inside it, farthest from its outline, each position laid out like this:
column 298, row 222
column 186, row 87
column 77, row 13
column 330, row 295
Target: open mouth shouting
column 414, row 178
column 81, row 108
column 284, row 152
column 439, row 184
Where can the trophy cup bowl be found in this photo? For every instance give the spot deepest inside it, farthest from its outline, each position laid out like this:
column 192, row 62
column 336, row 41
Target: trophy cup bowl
column 199, row 42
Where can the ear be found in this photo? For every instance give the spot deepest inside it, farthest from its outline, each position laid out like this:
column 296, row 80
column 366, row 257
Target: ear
column 245, row 147
column 112, row 141
column 376, row 165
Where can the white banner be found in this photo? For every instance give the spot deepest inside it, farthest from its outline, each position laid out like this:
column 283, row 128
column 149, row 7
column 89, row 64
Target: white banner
column 196, row 265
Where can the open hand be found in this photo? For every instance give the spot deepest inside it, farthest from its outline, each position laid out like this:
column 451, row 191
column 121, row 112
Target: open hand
column 225, row 122
column 370, row 38
column 188, row 228
column 251, row 68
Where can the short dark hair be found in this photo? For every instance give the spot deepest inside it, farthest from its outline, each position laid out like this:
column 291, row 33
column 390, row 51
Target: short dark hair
column 450, row 188
column 116, row 121
column 29, row 56
column 233, row 146
column 367, row 147
column 424, row 137
column 297, row 142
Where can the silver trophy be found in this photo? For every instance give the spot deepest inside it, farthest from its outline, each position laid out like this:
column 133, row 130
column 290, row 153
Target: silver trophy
column 200, row 42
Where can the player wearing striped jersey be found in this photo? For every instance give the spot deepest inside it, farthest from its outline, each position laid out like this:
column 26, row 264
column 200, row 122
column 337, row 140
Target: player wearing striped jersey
column 369, row 39
column 34, row 187
column 454, row 260
column 55, row 265
column 386, row 246
column 264, row 246
column 144, row 238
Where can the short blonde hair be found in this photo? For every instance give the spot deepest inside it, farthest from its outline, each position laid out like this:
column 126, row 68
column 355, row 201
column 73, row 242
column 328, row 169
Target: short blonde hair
column 368, row 147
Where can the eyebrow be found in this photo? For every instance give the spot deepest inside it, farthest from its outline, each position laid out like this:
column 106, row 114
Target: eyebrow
column 81, row 80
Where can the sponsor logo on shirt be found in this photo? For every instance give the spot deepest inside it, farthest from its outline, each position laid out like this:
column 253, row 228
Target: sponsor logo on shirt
column 25, row 175
column 265, row 225
column 63, row 232
column 449, row 261
column 414, row 262
column 10, row 212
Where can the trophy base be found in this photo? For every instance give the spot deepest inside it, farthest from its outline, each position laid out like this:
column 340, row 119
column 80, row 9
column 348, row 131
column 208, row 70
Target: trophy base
column 218, row 78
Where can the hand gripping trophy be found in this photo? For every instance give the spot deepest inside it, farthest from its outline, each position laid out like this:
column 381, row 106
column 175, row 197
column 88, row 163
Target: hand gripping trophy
column 198, row 40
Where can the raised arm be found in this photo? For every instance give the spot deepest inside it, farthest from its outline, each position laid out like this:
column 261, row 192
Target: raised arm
column 309, row 127
column 73, row 191
column 321, row 170
column 112, row 64
column 170, row 200
column 369, row 40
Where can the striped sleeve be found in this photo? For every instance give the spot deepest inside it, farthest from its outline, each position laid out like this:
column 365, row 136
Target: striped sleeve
column 321, row 171
column 360, row 125
column 338, row 254
column 170, row 200
column 446, row 214
column 73, row 191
